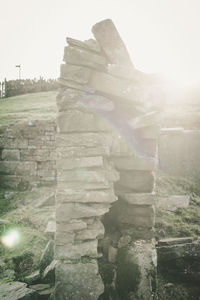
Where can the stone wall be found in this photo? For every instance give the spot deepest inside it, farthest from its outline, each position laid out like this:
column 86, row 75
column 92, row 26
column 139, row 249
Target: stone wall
column 27, row 155
column 106, row 148
column 179, row 153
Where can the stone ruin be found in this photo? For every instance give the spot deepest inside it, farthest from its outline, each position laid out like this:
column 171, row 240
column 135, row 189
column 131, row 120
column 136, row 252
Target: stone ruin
column 106, row 152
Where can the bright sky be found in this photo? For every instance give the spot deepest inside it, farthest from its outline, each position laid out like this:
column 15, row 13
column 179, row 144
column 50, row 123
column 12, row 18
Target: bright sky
column 161, row 35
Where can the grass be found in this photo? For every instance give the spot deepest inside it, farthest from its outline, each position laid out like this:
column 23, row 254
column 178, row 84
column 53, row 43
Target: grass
column 30, row 223
column 21, row 108
column 184, row 221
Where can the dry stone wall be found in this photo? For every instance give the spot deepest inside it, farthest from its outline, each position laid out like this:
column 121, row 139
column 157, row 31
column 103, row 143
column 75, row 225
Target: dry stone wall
column 27, row 155
column 106, row 148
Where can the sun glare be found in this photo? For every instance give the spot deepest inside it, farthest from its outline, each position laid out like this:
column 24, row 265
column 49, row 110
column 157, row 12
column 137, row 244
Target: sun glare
column 11, row 239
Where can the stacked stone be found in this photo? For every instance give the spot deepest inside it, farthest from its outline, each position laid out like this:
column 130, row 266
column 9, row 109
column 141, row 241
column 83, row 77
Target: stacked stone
column 84, row 175
column 27, row 155
column 103, row 122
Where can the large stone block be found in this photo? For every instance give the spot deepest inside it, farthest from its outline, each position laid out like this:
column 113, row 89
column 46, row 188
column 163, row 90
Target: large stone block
column 68, row 211
column 139, row 198
column 89, row 45
column 81, row 57
column 73, row 225
column 8, row 154
column 75, row 73
column 120, row 88
column 94, row 230
column 66, row 196
column 87, row 186
column 148, row 132
column 17, row 168
column 76, row 251
column 17, row 291
column 79, row 121
column 137, row 215
column 134, row 163
column 69, row 99
column 135, row 181
column 110, row 41
column 136, row 265
column 87, row 176
column 87, row 139
column 65, row 152
column 78, row 281
column 84, row 162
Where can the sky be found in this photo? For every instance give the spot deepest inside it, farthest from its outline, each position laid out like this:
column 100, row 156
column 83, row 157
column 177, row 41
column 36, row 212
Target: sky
column 161, row 35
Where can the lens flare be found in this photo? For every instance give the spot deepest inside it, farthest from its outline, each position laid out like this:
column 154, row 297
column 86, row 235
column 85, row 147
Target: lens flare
column 11, row 238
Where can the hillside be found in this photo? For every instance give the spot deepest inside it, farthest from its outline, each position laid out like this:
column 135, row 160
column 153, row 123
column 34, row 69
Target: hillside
column 37, row 106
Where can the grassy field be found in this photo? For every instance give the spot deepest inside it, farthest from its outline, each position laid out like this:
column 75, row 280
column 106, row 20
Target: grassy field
column 35, row 106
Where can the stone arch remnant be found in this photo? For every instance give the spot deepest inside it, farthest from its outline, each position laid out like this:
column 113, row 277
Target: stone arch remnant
column 106, row 147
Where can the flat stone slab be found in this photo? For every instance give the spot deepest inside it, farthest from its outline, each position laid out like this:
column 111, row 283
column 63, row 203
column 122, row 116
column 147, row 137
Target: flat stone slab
column 17, row 291
column 174, row 241
column 139, row 198
column 110, row 41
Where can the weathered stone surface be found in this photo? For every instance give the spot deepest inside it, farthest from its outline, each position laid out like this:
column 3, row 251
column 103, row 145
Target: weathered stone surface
column 136, row 266
column 10, row 154
column 139, row 198
column 48, row 275
column 67, row 211
column 32, row 278
column 132, row 74
column 96, row 103
column 135, row 181
column 47, row 256
column 112, row 254
column 78, row 281
column 145, row 120
column 78, row 121
column 134, row 163
column 17, row 168
column 73, row 225
column 69, row 99
column 173, row 202
column 124, row 213
column 50, row 229
column 81, row 175
column 179, row 250
column 81, row 57
column 74, row 252
column 64, row 196
column 64, row 238
column 148, row 132
column 65, row 152
column 110, row 85
column 89, row 139
column 110, row 41
column 148, row 147
column 93, row 231
column 84, row 162
column 175, row 241
column 75, row 73
column 90, row 45
column 76, row 86
column 87, row 186
column 44, row 290
column 17, row 291
column 179, row 260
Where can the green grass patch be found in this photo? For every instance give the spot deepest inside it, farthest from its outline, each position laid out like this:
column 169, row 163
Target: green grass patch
column 27, row 107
